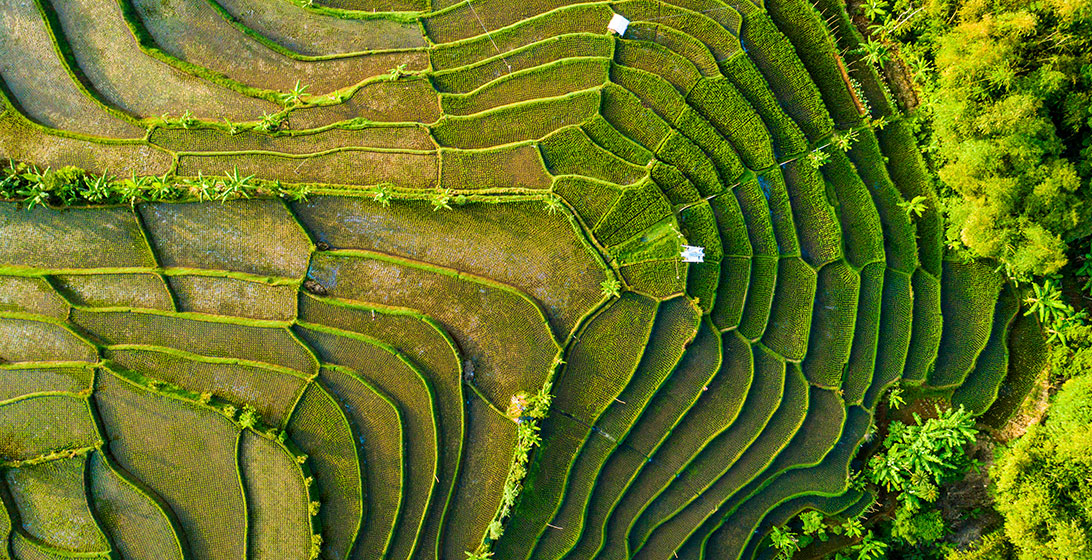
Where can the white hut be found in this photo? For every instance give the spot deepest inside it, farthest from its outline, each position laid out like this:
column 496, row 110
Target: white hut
column 692, row 254
column 618, row 24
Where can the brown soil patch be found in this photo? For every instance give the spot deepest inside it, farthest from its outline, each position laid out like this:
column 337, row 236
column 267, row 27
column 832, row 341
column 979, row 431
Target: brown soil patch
column 1029, row 414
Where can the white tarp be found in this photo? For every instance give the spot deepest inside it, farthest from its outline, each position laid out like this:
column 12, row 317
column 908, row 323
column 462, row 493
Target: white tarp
column 693, row 254
column 618, row 24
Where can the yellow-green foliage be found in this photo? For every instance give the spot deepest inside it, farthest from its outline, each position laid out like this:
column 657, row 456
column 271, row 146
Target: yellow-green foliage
column 1042, row 484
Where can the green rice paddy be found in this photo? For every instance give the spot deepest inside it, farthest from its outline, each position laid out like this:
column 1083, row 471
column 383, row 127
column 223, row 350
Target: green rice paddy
column 335, row 359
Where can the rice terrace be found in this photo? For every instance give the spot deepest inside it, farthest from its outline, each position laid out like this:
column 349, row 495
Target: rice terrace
column 450, row 279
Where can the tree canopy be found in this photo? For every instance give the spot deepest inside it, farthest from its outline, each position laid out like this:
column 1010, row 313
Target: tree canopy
column 1008, row 112
column 1044, row 489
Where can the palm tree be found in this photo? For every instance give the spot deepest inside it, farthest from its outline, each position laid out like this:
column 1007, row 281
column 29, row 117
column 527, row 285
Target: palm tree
column 919, row 67
column 397, row 72
column 187, row 120
column 270, row 123
column 818, row 158
column 871, row 548
column 232, row 127
column 611, row 287
column 99, row 189
column 300, row 193
column 553, row 204
column 885, row 28
column 894, row 398
column 784, row 541
column 844, row 141
column 853, row 528
column 441, row 199
column 383, row 194
column 234, row 185
column 200, row 187
column 295, row 97
column 162, row 188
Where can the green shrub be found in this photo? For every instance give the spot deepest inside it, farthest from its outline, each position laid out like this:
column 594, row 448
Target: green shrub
column 1043, row 489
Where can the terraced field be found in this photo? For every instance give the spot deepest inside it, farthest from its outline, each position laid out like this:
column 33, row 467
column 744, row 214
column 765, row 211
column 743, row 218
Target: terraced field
column 337, row 359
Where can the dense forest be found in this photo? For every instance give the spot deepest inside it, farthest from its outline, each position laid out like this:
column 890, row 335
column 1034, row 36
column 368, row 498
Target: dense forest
column 1006, row 110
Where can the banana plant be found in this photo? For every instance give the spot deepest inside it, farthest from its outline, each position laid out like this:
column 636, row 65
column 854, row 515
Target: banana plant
column 295, row 97
column 235, row 185
column 384, row 192
column 874, row 9
column 874, row 52
column 200, row 187
column 915, row 206
column 1046, row 302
